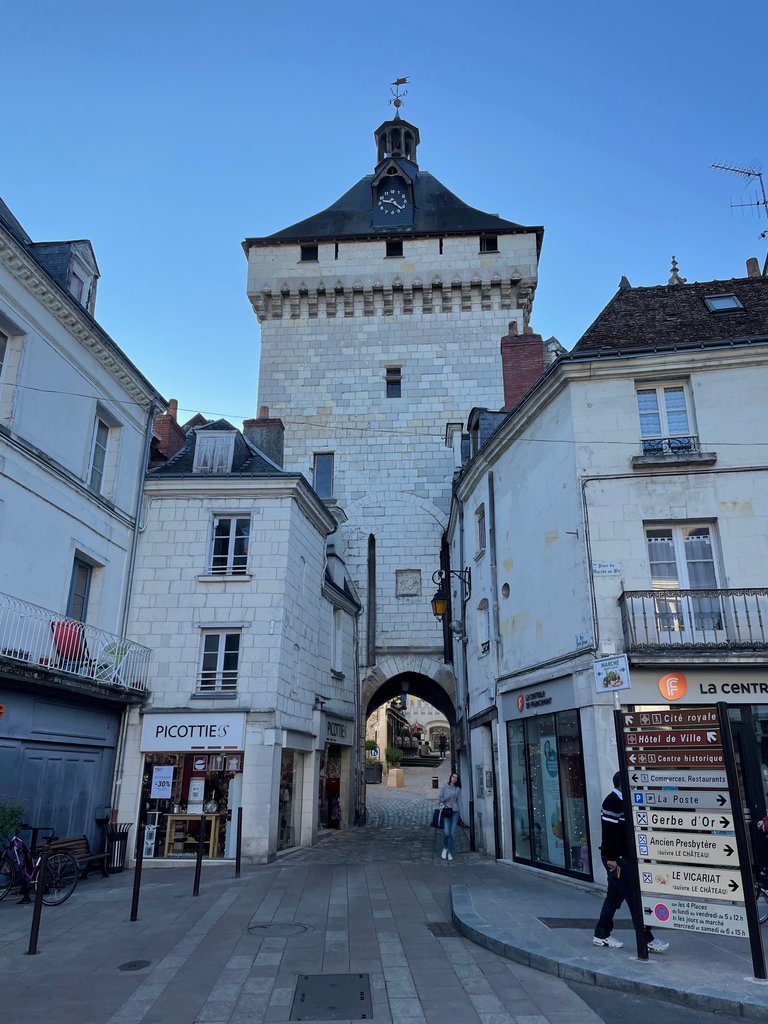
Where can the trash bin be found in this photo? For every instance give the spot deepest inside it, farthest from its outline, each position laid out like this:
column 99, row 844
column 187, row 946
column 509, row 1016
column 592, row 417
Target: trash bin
column 117, row 845
column 434, row 782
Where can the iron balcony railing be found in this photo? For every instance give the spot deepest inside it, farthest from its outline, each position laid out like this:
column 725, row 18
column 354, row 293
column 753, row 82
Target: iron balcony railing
column 40, row 638
column 686, row 445
column 698, row 620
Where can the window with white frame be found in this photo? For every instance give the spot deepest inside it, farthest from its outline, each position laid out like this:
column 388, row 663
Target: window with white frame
column 79, row 589
column 229, row 546
column 665, row 419
column 219, row 661
column 681, row 559
column 480, row 530
column 483, row 627
column 99, row 455
column 213, row 451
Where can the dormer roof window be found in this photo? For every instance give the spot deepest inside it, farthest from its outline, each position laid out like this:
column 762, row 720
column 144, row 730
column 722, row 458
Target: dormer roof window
column 722, row 303
column 213, row 451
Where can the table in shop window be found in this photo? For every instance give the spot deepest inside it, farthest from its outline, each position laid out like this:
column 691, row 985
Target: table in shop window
column 177, row 830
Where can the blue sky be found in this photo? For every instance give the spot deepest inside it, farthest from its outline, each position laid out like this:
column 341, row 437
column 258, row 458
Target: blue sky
column 167, row 132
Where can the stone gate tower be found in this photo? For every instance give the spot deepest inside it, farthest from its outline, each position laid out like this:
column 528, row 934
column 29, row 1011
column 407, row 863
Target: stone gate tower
column 381, row 319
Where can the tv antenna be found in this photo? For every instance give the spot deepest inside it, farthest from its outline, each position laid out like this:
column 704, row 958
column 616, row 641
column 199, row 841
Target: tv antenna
column 749, row 173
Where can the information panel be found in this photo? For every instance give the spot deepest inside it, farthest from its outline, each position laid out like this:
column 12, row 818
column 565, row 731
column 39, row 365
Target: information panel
column 696, row 916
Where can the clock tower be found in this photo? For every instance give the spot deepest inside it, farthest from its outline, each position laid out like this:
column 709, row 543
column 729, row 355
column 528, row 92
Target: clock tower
column 381, row 319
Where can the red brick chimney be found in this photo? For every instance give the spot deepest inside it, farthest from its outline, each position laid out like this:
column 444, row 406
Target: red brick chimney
column 170, row 437
column 522, row 363
column 266, row 433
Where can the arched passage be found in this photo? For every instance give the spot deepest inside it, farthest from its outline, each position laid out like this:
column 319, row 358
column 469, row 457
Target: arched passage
column 415, row 685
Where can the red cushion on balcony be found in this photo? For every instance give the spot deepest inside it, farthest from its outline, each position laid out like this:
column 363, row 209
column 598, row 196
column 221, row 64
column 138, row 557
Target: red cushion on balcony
column 68, row 638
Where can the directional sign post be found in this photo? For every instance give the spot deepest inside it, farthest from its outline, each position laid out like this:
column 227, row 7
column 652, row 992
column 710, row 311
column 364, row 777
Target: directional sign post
column 687, row 825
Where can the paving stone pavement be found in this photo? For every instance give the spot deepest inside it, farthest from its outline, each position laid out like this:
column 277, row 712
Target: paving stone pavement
column 372, row 900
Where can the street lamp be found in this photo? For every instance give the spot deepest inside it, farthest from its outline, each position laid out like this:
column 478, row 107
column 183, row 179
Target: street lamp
column 440, row 579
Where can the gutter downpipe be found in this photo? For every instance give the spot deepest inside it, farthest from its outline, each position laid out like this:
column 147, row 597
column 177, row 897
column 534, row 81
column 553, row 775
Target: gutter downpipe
column 465, row 684
column 120, row 753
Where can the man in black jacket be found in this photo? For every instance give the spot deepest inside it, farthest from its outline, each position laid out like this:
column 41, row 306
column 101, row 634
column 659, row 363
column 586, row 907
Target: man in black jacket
column 613, row 851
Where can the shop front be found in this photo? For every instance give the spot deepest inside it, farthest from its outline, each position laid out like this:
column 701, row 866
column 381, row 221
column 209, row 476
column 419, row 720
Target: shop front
column 335, row 766
column 191, row 782
column 548, row 809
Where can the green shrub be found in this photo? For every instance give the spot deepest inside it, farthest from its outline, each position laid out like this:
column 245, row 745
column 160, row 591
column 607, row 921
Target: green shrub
column 371, row 745
column 11, row 816
column 394, row 756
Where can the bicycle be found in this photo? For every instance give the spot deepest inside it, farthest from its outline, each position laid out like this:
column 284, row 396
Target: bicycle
column 761, row 894
column 20, row 870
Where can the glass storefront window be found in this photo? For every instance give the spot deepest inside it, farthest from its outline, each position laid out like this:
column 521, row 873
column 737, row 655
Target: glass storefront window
column 289, row 803
column 547, row 792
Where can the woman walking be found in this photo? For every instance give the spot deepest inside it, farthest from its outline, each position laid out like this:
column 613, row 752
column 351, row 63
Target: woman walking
column 449, row 801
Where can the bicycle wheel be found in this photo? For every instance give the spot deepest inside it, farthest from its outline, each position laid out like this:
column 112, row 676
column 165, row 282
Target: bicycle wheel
column 7, row 876
column 762, row 903
column 61, row 875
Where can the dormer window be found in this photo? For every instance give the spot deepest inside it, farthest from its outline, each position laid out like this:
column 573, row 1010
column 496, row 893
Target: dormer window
column 76, row 287
column 214, row 451
column 722, row 303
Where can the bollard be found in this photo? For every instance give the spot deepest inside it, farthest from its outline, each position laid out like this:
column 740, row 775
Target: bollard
column 38, row 907
column 137, row 872
column 199, row 860
column 239, row 847
column 434, row 782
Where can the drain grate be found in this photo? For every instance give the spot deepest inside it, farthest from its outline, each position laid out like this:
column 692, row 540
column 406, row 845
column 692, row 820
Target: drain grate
column 442, row 929
column 332, row 997
column 134, row 965
column 580, row 922
column 277, row 930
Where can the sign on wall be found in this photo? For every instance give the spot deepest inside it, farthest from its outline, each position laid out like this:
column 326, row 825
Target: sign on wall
column 612, row 674
column 186, row 730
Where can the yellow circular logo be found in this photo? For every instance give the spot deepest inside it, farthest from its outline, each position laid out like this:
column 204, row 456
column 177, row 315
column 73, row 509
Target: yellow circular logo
column 673, row 686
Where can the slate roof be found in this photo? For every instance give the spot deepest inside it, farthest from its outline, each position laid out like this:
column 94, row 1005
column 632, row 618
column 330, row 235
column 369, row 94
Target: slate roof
column 436, row 211
column 247, row 460
column 676, row 316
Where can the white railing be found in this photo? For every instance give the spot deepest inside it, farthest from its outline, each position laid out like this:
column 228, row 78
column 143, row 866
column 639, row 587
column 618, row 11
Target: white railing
column 46, row 640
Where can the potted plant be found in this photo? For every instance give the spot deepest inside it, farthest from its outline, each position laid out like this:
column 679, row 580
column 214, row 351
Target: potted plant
column 394, row 756
column 373, row 767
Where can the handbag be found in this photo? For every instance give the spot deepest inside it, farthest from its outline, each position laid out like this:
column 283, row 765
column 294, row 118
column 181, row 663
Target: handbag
column 436, row 819
column 447, row 812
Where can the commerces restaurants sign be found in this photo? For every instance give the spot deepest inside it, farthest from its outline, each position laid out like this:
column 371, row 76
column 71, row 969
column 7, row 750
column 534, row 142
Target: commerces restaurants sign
column 180, row 730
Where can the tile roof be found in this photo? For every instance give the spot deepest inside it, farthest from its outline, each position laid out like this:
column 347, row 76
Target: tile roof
column 674, row 316
column 247, row 460
column 436, row 211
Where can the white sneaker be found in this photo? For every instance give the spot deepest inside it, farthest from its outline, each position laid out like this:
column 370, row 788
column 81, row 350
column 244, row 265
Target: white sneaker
column 450, row 856
column 444, row 854
column 610, row 942
column 658, row 946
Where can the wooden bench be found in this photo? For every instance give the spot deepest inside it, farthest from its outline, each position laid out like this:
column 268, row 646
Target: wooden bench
column 80, row 849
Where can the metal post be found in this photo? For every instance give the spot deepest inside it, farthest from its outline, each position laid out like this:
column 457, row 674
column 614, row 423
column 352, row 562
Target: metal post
column 742, row 844
column 629, row 833
column 199, row 860
column 239, row 847
column 38, row 907
column 137, row 872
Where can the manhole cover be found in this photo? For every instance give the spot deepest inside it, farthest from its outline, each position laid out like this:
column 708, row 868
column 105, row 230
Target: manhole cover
column 332, row 997
column 442, row 929
column 134, row 965
column 279, row 931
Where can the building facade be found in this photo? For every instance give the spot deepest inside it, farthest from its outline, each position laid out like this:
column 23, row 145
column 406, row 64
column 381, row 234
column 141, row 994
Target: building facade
column 378, row 317
column 618, row 511
column 75, row 428
column 252, row 624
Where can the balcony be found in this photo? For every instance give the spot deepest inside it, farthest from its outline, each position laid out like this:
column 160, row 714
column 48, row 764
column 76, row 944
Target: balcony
column 665, row 450
column 695, row 621
column 39, row 640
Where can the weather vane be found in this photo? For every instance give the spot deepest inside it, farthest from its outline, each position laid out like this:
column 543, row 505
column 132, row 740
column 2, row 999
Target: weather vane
column 397, row 95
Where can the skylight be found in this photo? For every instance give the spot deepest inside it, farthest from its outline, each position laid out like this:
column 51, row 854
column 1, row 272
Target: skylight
column 722, row 303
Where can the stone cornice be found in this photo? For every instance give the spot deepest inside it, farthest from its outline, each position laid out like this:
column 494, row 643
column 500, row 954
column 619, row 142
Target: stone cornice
column 76, row 321
column 292, row 301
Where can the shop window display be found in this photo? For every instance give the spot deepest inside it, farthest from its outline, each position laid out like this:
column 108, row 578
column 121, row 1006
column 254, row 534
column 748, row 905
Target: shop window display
column 182, row 793
column 547, row 788
column 289, row 804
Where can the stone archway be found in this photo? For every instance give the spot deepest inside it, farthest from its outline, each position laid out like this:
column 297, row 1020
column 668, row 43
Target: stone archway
column 423, row 677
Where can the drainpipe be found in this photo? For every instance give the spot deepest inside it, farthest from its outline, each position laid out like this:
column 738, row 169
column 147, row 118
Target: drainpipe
column 120, row 754
column 465, row 685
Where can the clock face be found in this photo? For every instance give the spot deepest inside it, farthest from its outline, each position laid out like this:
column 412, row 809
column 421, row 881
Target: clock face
column 392, row 201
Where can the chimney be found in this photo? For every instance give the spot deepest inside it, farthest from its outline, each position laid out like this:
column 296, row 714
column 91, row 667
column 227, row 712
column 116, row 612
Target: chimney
column 170, row 437
column 753, row 267
column 522, row 363
column 266, row 433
